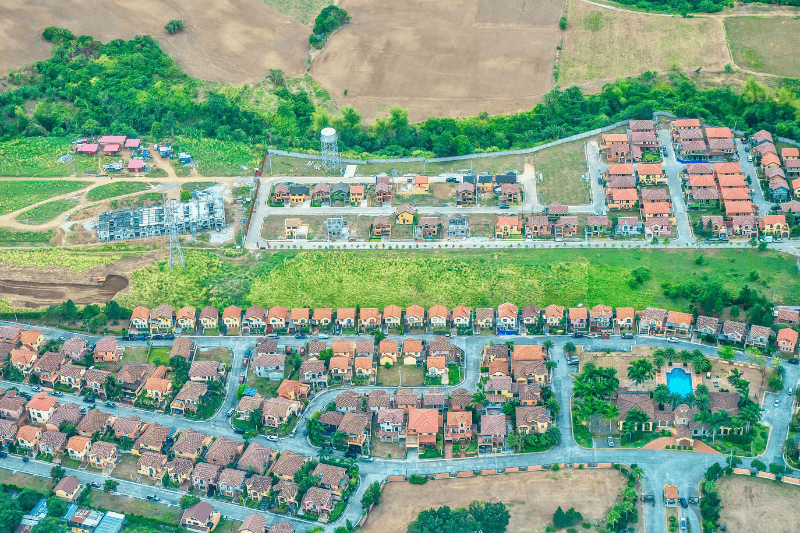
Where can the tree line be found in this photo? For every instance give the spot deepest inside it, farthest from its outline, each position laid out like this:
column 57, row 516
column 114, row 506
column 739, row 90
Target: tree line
column 134, row 88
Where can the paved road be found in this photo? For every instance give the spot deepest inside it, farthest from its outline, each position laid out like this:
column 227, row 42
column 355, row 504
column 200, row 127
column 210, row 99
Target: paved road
column 596, row 170
column 749, row 169
column 673, row 169
column 682, row 469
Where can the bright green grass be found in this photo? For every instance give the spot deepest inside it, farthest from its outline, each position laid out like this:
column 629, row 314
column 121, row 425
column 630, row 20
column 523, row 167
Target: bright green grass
column 16, row 194
column 38, row 157
column 213, row 157
column 12, row 238
column 118, row 188
column 478, row 278
column 45, row 212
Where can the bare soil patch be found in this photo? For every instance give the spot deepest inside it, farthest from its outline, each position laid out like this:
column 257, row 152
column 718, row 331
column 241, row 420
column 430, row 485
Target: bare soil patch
column 758, row 505
column 445, row 59
column 602, row 43
column 234, row 41
column 531, row 497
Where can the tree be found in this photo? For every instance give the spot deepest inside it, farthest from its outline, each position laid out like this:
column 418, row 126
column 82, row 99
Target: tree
column 508, row 409
column 553, row 435
column 256, row 419
column 515, row 440
column 96, row 322
column 726, row 352
column 734, row 376
column 550, row 364
column 612, row 413
column 775, row 382
column 690, row 400
column 636, row 471
column 56, row 506
column 174, row 26
column 186, row 196
column 339, row 440
column 735, row 309
column 661, row 395
column 493, row 517
column 478, row 399
column 110, row 485
column 700, row 363
column 675, row 399
column 635, row 418
column 640, row 371
column 658, row 360
column 548, row 344
column 553, row 406
column 51, row 523
column 28, row 499
column 187, row 501
column 57, row 473
column 685, row 356
column 379, row 336
column 569, row 347
column 563, row 22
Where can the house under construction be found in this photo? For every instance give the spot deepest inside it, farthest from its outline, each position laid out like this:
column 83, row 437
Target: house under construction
column 205, row 212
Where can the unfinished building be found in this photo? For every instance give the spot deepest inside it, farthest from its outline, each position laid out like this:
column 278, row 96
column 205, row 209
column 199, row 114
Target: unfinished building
column 205, row 212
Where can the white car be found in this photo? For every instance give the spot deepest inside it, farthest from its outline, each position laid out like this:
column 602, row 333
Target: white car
column 593, row 335
column 673, row 339
column 777, row 402
column 272, row 437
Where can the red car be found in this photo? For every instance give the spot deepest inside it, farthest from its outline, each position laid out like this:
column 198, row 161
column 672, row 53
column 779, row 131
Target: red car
column 605, row 336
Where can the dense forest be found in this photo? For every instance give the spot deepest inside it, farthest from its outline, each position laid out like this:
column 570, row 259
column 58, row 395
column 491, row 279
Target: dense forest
column 134, row 88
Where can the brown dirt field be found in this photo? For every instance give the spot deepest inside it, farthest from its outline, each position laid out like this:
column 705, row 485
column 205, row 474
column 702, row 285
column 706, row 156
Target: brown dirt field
column 758, row 505
column 234, row 41
column 452, row 58
column 531, row 497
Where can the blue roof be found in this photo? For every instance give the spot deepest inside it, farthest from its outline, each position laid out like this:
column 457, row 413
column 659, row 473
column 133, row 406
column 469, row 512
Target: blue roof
column 249, row 391
column 111, row 523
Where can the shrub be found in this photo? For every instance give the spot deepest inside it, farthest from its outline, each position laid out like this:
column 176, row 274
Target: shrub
column 174, row 26
column 563, row 22
column 417, row 480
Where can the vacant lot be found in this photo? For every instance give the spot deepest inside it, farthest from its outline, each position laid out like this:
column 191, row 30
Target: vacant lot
column 16, row 194
column 30, row 157
column 758, row 505
column 131, row 356
column 234, row 41
column 400, row 375
column 456, row 72
column 605, row 44
column 274, row 226
column 46, row 212
column 531, row 497
column 118, row 188
column 765, row 44
column 561, row 168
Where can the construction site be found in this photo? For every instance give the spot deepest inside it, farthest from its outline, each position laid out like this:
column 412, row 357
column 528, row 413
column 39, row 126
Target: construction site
column 204, row 212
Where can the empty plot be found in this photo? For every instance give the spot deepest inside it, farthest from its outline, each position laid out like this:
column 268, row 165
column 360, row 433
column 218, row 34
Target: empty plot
column 449, row 58
column 602, row 43
column 765, row 44
column 758, row 505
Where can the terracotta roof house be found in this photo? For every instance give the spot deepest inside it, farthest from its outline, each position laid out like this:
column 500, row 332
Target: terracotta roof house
column 65, row 412
column 362, row 367
column 271, row 366
column 434, row 399
column 322, row 316
column 340, row 369
column 189, row 397
column 412, row 351
column 207, row 371
column 258, row 487
column 151, row 464
column 790, row 317
column 378, row 400
column 346, row 317
column 67, row 489
column 484, row 317
column 22, row 359
column 459, row 426
column 493, row 432
column 256, row 458
column 209, row 318
column 388, row 351
column 759, row 336
column 423, row 426
column 158, row 389
column 365, row 348
column 348, row 400
column 415, row 315
column 224, row 451
column 78, row 447
column 153, row 439
column 529, row 394
column 356, row 425
column 331, row 420
column 652, row 321
column 253, row 523
column 232, row 317
column 186, row 317
column 460, row 399
column 787, row 341
column 333, row 478
column 532, row 419
column 390, row 424
column 314, row 373
column 32, row 339
column 10, row 334
column 299, row 317
column 319, row 502
column 162, row 319
column 278, row 317
column 279, row 410
column 406, row 399
column 40, row 408
column 733, row 331
column 462, row 316
column 94, row 420
column 230, row 481
column 102, row 454
column 183, row 347
column 200, row 517
column 179, row 470
column 74, row 348
column 286, row 494
column 205, row 475
column 191, row 444
column 369, row 317
column 28, row 437
column 507, row 316
column 288, row 464
column 293, row 390
column 554, row 315
column 128, row 428
column 107, row 349
column 12, row 406
column 52, row 442
column 707, row 325
column 578, row 318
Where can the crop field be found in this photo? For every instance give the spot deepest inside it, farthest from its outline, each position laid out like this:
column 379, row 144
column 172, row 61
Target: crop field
column 456, row 72
column 213, row 157
column 478, row 278
column 16, row 194
column 45, row 212
column 531, row 497
column 758, row 505
column 37, row 157
column 118, row 188
column 605, row 44
column 765, row 44
column 234, row 41
column 561, row 168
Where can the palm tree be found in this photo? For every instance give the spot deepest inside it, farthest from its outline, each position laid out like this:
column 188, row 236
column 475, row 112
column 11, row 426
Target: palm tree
column 635, row 418
column 636, row 471
column 550, row 364
column 640, row 371
column 704, row 417
column 478, row 399
column 675, row 399
column 513, row 440
column 721, row 420
column 734, row 376
column 548, row 344
column 702, row 401
column 700, row 363
column 611, row 412
column 685, row 356
column 750, row 414
column 669, row 353
column 553, row 406
column 661, row 395
column 701, row 389
column 690, row 399
column 569, row 348
column 658, row 360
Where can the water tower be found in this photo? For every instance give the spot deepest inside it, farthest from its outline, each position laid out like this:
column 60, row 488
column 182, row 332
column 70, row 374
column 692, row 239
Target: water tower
column 330, row 150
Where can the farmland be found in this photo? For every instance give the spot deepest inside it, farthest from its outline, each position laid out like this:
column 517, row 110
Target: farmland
column 45, row 212
column 37, row 157
column 757, row 505
column 605, row 44
column 118, row 188
column 561, row 168
column 455, row 73
column 213, row 157
column 531, row 497
column 764, row 44
column 305, row 12
column 16, row 194
column 478, row 278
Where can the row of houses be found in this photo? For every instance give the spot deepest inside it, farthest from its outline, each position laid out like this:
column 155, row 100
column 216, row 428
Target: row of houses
column 623, row 192
column 777, row 170
column 692, row 142
column 640, row 137
column 324, row 193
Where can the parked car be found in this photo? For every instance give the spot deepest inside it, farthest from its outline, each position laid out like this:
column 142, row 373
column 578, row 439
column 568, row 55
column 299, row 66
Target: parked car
column 593, row 336
column 777, row 402
column 673, row 339
column 157, row 336
column 627, row 335
column 95, row 484
column 777, row 239
column 684, row 503
column 57, row 393
column 142, row 336
column 351, row 455
column 273, row 335
column 794, row 361
column 610, row 442
column 305, row 433
column 89, row 399
column 169, row 336
column 504, row 206
column 248, row 351
column 241, row 379
column 128, row 337
column 3, row 455
column 605, row 336
column 110, row 404
column 26, row 459
column 323, row 336
column 246, row 361
column 62, row 339
column 683, row 524
column 37, row 388
column 238, row 431
column 577, row 335
column 272, row 437
column 300, row 336
column 746, row 148
column 451, row 180
column 368, row 458
column 789, row 392
column 152, row 497
column 600, row 181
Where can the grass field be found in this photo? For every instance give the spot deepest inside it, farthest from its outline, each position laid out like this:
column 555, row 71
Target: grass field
column 118, row 188
column 605, row 44
column 478, row 278
column 38, row 157
column 45, row 212
column 131, row 355
column 9, row 237
column 274, row 226
column 561, row 168
column 213, row 157
column 757, row 505
column 121, row 504
column 399, row 374
column 76, row 262
column 16, row 194
column 765, row 44
column 197, row 185
column 146, row 199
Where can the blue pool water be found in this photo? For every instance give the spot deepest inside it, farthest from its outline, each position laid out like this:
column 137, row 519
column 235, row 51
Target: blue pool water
column 680, row 381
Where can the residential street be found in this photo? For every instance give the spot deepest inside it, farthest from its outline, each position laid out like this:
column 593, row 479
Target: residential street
column 673, row 169
column 660, row 467
column 749, row 169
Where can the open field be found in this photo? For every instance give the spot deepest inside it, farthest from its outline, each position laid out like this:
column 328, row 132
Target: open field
column 121, row 504
column 305, row 12
column 605, row 44
column 46, row 212
column 476, row 278
column 274, row 226
column 531, row 497
column 118, row 188
column 401, row 375
column 455, row 72
column 765, row 44
column 234, row 41
column 16, row 194
column 561, row 168
column 212, row 157
column 10, row 237
column 758, row 505
column 38, row 156
column 131, row 356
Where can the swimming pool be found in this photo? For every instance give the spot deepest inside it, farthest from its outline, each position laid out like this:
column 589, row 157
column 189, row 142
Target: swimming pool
column 680, row 381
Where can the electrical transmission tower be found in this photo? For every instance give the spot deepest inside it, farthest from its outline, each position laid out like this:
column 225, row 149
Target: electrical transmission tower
column 175, row 252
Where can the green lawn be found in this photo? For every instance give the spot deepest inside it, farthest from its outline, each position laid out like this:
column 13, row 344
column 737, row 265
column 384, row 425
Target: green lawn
column 38, row 157
column 121, row 504
column 478, row 278
column 265, row 387
column 10, row 237
column 45, row 212
column 16, row 194
column 118, row 188
column 159, row 356
column 759, row 43
column 214, row 157
column 412, row 375
column 131, row 356
column 561, row 168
